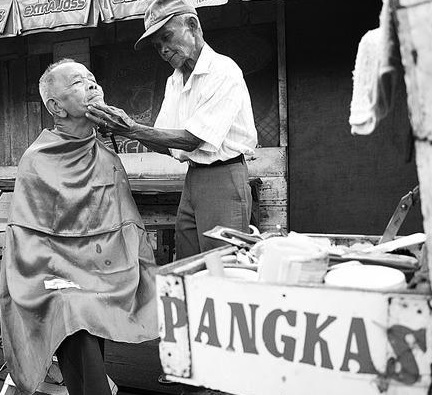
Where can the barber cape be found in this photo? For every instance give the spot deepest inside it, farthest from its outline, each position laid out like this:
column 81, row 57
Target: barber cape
column 77, row 255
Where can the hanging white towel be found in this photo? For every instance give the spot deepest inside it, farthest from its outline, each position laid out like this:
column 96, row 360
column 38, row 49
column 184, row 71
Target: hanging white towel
column 375, row 75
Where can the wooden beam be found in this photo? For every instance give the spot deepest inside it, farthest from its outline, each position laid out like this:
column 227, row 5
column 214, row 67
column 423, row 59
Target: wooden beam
column 283, row 114
column 415, row 36
column 283, row 100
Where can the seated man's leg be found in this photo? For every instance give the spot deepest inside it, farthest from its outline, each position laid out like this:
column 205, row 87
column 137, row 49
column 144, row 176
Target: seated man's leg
column 81, row 362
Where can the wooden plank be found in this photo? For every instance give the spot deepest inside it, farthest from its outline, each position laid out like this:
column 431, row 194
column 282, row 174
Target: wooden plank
column 33, row 75
column 152, row 165
column 42, row 43
column 273, row 208
column 270, row 216
column 424, row 170
column 158, row 215
column 283, row 108
column 8, row 172
column 5, row 201
column 17, row 123
column 33, row 98
column 155, row 186
column 4, row 106
column 34, row 112
column 268, row 162
column 78, row 49
column 415, row 37
column 8, row 47
column 273, row 189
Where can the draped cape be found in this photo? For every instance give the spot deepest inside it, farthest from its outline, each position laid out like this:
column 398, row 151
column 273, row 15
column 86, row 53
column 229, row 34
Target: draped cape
column 73, row 221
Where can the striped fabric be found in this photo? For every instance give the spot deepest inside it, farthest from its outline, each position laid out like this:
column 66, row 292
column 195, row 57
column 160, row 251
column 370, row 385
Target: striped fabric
column 213, row 105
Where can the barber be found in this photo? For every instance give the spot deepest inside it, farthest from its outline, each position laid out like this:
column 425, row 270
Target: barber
column 205, row 119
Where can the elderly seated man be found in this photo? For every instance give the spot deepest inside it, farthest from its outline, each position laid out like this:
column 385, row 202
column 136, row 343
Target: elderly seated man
column 78, row 266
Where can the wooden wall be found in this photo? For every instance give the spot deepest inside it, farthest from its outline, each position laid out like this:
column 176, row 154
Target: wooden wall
column 135, row 81
column 340, row 183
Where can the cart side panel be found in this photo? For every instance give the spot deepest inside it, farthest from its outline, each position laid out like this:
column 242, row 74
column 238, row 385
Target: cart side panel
column 409, row 342
column 253, row 339
column 174, row 347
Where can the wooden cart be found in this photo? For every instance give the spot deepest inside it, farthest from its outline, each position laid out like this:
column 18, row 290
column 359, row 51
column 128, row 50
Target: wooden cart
column 253, row 338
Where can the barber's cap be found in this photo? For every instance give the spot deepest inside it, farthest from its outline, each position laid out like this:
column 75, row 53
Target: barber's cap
column 160, row 12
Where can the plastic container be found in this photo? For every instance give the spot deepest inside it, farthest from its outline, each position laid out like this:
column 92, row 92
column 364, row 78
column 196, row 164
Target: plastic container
column 366, row 277
column 291, row 260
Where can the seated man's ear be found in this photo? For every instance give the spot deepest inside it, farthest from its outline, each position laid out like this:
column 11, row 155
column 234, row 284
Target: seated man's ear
column 55, row 108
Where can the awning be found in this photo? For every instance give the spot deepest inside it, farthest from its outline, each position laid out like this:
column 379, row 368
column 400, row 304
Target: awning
column 117, row 10
column 8, row 20
column 21, row 17
column 37, row 16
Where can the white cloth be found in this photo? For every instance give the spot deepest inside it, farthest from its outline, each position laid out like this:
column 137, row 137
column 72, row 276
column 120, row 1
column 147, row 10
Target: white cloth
column 375, row 76
column 214, row 105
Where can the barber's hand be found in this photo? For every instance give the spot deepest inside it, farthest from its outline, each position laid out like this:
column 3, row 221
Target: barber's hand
column 110, row 120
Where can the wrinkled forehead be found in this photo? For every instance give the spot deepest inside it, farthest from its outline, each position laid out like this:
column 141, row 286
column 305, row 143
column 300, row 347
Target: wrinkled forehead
column 66, row 72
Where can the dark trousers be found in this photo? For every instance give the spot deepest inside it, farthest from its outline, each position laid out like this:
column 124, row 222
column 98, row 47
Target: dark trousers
column 212, row 196
column 81, row 362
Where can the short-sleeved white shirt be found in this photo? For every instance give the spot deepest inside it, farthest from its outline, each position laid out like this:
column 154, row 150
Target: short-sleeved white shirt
column 214, row 105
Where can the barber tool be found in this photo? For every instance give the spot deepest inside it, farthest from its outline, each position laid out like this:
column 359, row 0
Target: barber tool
column 398, row 217
column 242, row 239
column 402, row 262
column 232, row 236
column 114, row 143
column 397, row 244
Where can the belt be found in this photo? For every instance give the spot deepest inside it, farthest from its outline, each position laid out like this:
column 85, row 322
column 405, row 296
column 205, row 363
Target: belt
column 237, row 159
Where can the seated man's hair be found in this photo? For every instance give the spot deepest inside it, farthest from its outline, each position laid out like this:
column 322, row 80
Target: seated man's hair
column 46, row 79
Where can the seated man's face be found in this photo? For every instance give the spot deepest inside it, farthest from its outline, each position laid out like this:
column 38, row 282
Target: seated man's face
column 75, row 87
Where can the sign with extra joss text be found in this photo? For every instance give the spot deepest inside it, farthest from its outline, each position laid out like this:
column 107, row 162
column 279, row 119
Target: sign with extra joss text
column 53, row 15
column 250, row 338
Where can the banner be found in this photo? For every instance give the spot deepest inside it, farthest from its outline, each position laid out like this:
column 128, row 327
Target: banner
column 205, row 3
column 115, row 10
column 8, row 25
column 37, row 16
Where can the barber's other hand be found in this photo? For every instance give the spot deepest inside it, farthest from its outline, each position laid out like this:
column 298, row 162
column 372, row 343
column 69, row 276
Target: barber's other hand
column 110, row 120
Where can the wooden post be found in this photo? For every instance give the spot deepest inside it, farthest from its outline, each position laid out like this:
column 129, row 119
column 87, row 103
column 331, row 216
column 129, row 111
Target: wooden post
column 282, row 88
column 283, row 116
column 414, row 29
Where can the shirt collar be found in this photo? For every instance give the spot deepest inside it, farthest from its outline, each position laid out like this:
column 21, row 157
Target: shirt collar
column 202, row 66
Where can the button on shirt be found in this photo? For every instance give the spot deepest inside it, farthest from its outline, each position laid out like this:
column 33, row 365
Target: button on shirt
column 214, row 105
